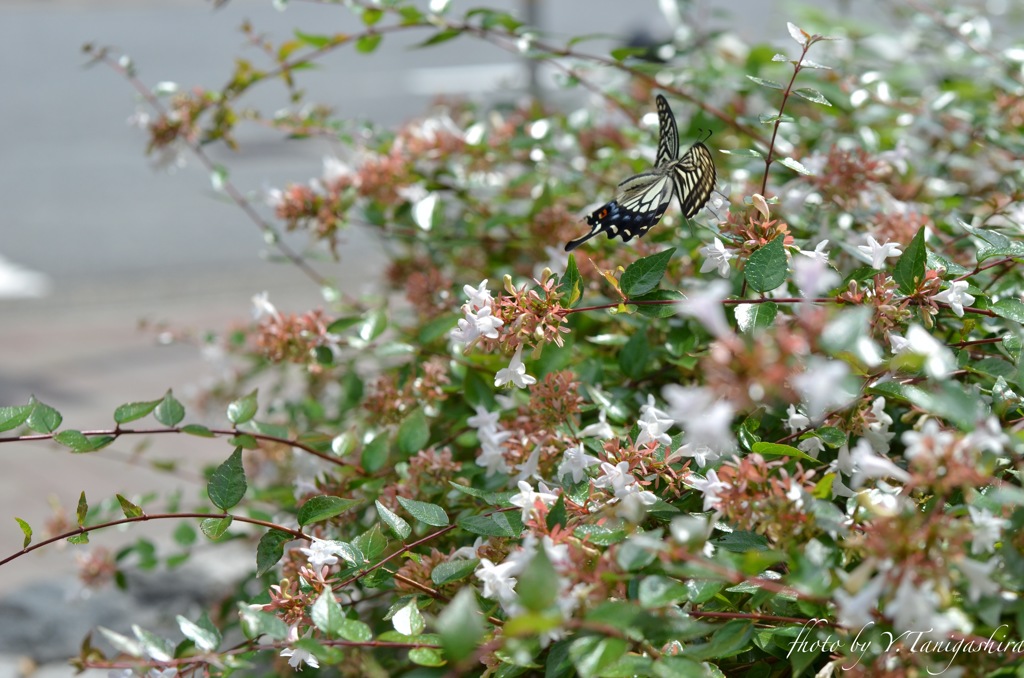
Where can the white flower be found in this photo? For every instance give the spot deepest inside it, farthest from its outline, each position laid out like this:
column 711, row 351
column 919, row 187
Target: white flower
column 854, row 610
column 297, row 656
column 261, row 306
column 796, row 421
column 866, row 463
column 322, row 552
column 335, row 169
column 702, row 454
column 812, row 446
column 875, row 253
column 813, row 276
column 979, row 577
column 987, row 436
column 956, row 296
column 915, row 608
column 515, row 372
column 818, row 252
column 705, row 418
column 939, row 361
column 484, row 419
column 468, row 552
column 575, row 462
column 716, row 256
column 479, row 296
column 877, row 431
column 527, row 497
column 710, row 486
column 929, row 441
column 706, row 306
column 601, row 429
column 821, row 385
column 499, row 584
column 528, row 469
column 653, row 424
column 689, row 528
column 988, row 529
column 477, row 324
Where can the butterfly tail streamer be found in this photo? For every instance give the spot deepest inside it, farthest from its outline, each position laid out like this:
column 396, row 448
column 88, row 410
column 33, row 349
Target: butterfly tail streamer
column 573, row 244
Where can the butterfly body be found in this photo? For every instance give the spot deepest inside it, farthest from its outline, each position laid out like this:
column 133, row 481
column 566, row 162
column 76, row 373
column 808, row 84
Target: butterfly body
column 642, row 199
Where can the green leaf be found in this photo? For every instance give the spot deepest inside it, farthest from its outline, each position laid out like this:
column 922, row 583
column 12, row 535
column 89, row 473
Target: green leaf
column 214, row 528
column 371, row 543
column 204, row 635
column 452, row 570
column 1014, row 250
column 371, row 15
column 256, row 623
column 76, row 441
column 169, row 411
column 634, row 355
column 375, row 454
column 79, row 539
column 368, row 43
column 441, row 36
column 592, row 654
column 413, row 433
column 764, row 83
column 657, row 310
column 766, row 267
column 426, row 656
column 1009, row 308
column 644, row 274
column 538, row 584
column 269, row 551
column 132, row 411
column 354, row 630
column 41, row 417
column 571, row 285
column 227, row 484
column 26, row 530
column 743, row 153
column 408, row 620
column 658, row 591
column 431, row 514
column 728, row 641
column 82, row 511
column 812, row 95
column 751, row 317
column 323, row 507
column 397, row 524
column 313, row 40
column 243, row 409
column 795, row 165
column 460, row 625
column 909, row 270
column 557, row 515
column 779, row 450
column 494, row 525
column 831, row 436
column 13, row 417
column 129, row 509
column 326, row 613
column 184, row 534
column 198, row 430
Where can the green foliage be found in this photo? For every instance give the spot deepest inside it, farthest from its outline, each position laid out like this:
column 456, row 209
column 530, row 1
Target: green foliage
column 677, row 477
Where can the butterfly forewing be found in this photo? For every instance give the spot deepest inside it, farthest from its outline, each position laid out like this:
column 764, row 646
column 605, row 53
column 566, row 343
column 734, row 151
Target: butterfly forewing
column 668, row 135
column 694, row 179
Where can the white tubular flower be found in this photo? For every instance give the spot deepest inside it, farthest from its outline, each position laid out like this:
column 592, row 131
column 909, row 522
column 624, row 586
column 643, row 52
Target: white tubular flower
column 653, row 424
column 706, row 306
column 575, row 462
column 321, row 552
column 479, row 296
column 716, row 256
column 956, row 296
column 876, row 253
column 601, row 429
column 515, row 373
column 710, row 486
column 527, row 497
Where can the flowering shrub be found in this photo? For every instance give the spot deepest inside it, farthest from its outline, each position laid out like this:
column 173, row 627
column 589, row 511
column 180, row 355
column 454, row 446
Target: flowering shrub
column 781, row 440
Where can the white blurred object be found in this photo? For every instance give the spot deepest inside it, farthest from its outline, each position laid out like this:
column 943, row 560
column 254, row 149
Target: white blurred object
column 19, row 282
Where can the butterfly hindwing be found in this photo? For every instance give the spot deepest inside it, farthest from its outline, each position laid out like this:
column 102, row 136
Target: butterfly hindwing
column 694, row 179
column 640, row 204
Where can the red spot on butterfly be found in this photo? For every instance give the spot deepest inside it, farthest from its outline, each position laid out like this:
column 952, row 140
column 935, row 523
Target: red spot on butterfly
column 603, row 213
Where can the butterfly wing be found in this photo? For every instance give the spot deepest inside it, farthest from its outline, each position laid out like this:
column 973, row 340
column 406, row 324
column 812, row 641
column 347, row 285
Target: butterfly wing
column 639, row 204
column 693, row 177
column 668, row 135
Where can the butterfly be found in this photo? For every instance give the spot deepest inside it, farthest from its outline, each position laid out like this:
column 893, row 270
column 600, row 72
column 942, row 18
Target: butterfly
column 642, row 199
